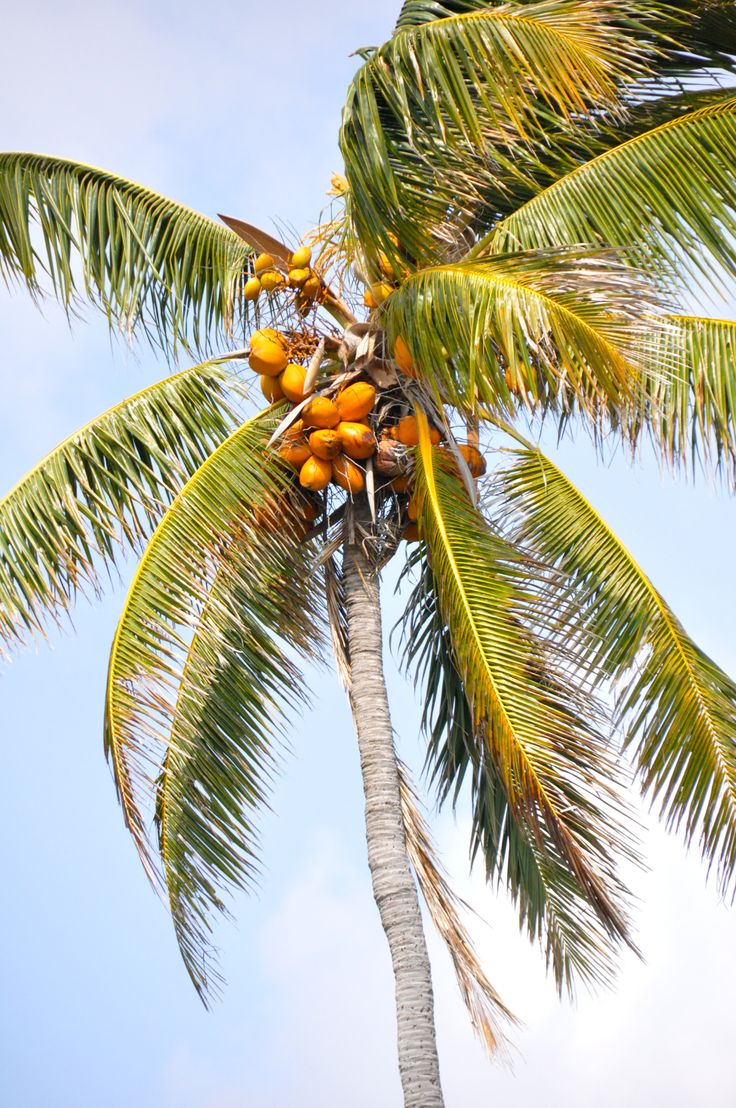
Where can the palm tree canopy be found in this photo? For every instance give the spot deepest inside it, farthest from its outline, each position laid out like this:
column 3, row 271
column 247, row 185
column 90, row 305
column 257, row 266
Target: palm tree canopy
column 529, row 191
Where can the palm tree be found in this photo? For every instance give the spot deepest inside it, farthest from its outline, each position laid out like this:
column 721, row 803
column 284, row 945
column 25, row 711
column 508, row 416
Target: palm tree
column 530, row 191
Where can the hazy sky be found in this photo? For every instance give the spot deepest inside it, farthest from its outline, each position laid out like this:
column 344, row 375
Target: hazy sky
column 235, row 108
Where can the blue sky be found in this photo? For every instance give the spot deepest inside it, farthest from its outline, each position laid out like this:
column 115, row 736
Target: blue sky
column 235, row 108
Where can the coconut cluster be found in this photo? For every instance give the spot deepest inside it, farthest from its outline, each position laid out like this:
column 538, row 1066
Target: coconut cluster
column 301, row 278
column 341, row 428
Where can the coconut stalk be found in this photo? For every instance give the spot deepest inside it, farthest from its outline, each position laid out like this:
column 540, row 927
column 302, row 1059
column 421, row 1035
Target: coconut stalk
column 394, row 889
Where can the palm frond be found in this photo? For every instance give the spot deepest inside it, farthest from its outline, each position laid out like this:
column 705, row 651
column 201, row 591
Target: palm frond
column 553, row 906
column 543, row 328
column 101, row 490
column 200, row 675
column 486, row 1009
column 151, row 264
column 436, row 115
column 540, row 729
column 667, row 198
column 689, row 393
column 678, row 707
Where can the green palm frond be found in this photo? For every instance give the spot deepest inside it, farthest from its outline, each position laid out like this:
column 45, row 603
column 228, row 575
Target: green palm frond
column 558, row 328
column 666, row 197
column 436, row 115
column 201, row 672
column 553, row 906
column 151, row 264
column 678, row 707
column 102, row 489
column 540, row 731
column 689, row 393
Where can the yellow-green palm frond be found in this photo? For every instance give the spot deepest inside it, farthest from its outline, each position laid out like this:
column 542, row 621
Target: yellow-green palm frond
column 102, row 489
column 543, row 328
column 666, row 197
column 539, row 728
column 435, row 117
column 678, row 707
column 554, row 907
column 689, row 393
column 202, row 669
column 152, row 265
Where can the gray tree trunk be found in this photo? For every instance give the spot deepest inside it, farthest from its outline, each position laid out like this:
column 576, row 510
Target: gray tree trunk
column 393, row 884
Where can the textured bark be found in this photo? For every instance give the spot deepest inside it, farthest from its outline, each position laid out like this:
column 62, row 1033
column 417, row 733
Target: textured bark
column 393, row 884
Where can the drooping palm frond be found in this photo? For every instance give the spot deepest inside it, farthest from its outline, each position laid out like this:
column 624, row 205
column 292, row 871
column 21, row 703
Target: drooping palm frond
column 557, row 328
column 200, row 675
column 689, row 393
column 553, row 906
column 539, row 728
column 151, row 264
column 667, row 197
column 102, row 489
column 678, row 707
column 486, row 1009
column 436, row 116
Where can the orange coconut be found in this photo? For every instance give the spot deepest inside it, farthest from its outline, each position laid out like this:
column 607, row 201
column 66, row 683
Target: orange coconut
column 356, row 401
column 292, row 382
column 326, row 443
column 358, row 441
column 271, row 389
column 321, row 412
column 347, row 475
column 268, row 354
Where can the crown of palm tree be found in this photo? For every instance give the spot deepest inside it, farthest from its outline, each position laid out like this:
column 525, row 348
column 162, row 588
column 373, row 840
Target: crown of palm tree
column 530, row 192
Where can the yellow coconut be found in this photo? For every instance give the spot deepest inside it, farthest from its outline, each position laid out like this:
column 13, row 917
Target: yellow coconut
column 406, row 431
column 347, row 475
column 268, row 352
column 262, row 263
column 301, row 258
column 272, row 280
column 292, row 382
column 298, row 278
column 321, row 413
column 403, row 358
column 369, row 300
column 358, row 441
column 296, row 452
column 312, row 287
column 381, row 291
column 252, row 289
column 356, row 401
column 325, row 443
column 315, row 474
column 271, row 389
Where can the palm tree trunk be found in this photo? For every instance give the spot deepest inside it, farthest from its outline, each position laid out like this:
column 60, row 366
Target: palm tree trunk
column 393, row 884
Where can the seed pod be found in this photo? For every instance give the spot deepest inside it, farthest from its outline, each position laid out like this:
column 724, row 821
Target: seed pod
column 292, row 382
column 268, row 354
column 315, row 474
column 271, row 389
column 320, row 412
column 325, row 443
column 301, row 258
column 272, row 280
column 295, row 452
column 356, row 401
column 347, row 475
column 358, row 441
column 252, row 288
column 263, row 263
